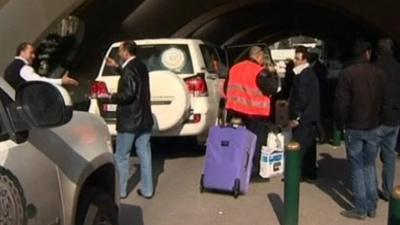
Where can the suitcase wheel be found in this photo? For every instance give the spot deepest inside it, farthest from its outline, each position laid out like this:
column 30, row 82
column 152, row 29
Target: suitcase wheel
column 236, row 188
column 202, row 183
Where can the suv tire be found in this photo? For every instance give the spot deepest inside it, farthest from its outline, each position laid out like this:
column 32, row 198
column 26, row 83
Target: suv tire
column 96, row 208
column 12, row 200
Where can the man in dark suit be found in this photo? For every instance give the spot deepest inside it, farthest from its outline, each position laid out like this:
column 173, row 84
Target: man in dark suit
column 134, row 118
column 304, row 111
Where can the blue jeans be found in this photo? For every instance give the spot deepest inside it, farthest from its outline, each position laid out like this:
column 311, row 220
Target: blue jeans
column 387, row 143
column 124, row 146
column 362, row 148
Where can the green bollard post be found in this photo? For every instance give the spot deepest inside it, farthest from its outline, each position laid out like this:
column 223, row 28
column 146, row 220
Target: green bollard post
column 293, row 158
column 336, row 136
column 394, row 207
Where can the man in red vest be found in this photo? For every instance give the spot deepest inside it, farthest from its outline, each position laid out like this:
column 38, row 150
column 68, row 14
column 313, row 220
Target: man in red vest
column 249, row 89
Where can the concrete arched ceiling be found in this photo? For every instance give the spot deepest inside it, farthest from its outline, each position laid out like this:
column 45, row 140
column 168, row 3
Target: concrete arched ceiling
column 177, row 18
column 266, row 19
column 219, row 21
column 28, row 20
column 242, row 21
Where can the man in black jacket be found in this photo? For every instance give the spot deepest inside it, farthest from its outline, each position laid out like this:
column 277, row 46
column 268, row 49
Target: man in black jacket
column 389, row 129
column 304, row 111
column 359, row 98
column 134, row 118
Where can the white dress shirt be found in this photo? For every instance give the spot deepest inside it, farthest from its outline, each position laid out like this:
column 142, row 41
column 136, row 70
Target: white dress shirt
column 127, row 61
column 28, row 74
column 298, row 69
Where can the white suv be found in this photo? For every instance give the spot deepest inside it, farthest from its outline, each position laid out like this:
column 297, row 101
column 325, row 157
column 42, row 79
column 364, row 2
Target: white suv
column 185, row 97
column 56, row 165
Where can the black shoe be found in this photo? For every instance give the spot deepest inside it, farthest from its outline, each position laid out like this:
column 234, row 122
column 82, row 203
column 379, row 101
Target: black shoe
column 139, row 192
column 383, row 196
column 371, row 214
column 352, row 214
column 312, row 177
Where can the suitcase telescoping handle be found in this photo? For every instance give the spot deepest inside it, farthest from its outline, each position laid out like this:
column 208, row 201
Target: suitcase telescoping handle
column 234, row 123
column 228, row 126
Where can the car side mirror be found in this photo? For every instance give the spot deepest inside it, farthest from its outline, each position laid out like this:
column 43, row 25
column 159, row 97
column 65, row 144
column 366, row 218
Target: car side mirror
column 37, row 104
column 42, row 104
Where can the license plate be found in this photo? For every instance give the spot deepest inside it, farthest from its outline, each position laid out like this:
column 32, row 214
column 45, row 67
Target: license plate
column 109, row 107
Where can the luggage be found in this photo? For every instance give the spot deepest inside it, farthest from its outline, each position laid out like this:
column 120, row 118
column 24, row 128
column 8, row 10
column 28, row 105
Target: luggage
column 228, row 160
column 279, row 139
column 275, row 141
column 271, row 162
column 272, row 155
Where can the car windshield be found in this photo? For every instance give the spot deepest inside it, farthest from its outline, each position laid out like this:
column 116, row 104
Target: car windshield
column 172, row 57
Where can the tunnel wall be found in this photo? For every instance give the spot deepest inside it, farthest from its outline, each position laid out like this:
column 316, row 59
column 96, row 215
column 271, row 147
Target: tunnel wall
column 28, row 20
column 177, row 22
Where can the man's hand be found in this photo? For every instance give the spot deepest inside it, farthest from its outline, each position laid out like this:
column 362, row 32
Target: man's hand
column 66, row 80
column 293, row 123
column 271, row 68
column 104, row 98
column 111, row 63
column 280, row 68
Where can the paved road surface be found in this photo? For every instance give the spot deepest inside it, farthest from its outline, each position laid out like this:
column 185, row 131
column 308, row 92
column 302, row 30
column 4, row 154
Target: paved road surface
column 177, row 200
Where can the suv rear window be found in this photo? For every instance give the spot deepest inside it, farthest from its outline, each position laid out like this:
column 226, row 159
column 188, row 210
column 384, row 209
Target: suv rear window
column 212, row 60
column 209, row 56
column 175, row 58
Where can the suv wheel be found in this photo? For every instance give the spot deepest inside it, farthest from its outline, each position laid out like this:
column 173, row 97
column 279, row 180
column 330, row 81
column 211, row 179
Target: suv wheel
column 96, row 208
column 12, row 201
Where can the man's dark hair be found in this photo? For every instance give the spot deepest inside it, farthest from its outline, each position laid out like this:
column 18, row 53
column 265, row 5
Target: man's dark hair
column 313, row 57
column 130, row 46
column 21, row 47
column 304, row 52
column 385, row 46
column 360, row 47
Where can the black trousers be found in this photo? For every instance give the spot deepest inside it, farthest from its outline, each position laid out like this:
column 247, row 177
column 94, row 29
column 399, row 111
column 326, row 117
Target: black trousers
column 260, row 127
column 305, row 134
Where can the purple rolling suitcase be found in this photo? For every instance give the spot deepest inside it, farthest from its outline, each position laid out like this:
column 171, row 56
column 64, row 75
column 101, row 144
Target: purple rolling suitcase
column 228, row 159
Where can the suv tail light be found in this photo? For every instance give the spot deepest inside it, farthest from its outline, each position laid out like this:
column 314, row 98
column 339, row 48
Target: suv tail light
column 197, row 85
column 193, row 117
column 98, row 89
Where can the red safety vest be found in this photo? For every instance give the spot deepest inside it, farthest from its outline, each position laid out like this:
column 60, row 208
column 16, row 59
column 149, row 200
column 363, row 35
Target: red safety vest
column 243, row 94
